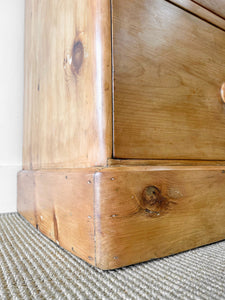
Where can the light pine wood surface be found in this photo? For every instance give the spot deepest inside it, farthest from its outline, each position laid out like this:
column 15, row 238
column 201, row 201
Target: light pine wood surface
column 143, row 79
column 26, row 196
column 68, row 101
column 61, row 205
column 190, row 212
column 202, row 12
column 155, row 162
column 168, row 70
column 116, row 216
column 216, row 6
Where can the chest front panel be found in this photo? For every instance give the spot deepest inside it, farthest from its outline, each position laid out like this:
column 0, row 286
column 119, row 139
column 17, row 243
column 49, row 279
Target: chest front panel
column 169, row 66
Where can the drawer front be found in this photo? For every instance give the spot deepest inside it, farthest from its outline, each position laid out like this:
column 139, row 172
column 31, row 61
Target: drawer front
column 169, row 67
column 216, row 6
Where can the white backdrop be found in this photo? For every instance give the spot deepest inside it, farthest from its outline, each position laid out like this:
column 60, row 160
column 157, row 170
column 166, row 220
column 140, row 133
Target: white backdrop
column 11, row 99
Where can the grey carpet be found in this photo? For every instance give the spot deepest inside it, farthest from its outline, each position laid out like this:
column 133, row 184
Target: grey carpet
column 32, row 267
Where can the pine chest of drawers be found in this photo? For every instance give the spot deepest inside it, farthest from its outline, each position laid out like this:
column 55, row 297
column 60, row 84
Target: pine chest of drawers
column 124, row 126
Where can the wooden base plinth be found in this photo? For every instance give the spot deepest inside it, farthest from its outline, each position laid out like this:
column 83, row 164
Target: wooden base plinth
column 117, row 216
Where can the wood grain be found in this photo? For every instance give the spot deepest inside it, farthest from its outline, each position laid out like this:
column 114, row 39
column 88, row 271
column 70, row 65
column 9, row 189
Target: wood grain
column 116, row 216
column 195, row 8
column 128, row 231
column 26, row 195
column 155, row 162
column 61, row 205
column 167, row 102
column 68, row 107
column 216, row 6
column 167, row 195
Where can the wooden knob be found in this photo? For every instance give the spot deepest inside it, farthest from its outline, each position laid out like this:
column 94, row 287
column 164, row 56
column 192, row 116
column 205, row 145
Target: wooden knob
column 223, row 92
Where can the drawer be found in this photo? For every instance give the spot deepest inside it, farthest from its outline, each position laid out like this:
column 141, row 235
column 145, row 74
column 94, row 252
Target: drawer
column 212, row 12
column 216, row 6
column 169, row 67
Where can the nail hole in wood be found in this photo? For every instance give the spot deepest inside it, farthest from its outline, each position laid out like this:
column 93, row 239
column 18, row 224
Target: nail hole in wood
column 114, row 216
column 223, row 92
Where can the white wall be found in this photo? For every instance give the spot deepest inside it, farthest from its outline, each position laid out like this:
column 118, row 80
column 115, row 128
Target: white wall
column 11, row 99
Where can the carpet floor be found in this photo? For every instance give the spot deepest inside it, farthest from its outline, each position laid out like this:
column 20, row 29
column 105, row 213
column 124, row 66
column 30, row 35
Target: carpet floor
column 32, row 267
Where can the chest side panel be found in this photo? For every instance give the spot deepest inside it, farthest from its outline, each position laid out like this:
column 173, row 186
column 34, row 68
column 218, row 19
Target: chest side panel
column 67, row 106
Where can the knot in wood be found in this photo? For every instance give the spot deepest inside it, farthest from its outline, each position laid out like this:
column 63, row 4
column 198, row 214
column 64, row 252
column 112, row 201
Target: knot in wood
column 151, row 196
column 153, row 202
column 77, row 56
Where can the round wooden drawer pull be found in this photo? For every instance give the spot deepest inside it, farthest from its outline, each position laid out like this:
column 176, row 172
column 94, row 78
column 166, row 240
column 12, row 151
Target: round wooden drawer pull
column 223, row 92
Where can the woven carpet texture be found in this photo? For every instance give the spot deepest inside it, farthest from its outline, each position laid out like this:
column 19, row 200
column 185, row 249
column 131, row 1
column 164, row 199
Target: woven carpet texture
column 33, row 267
